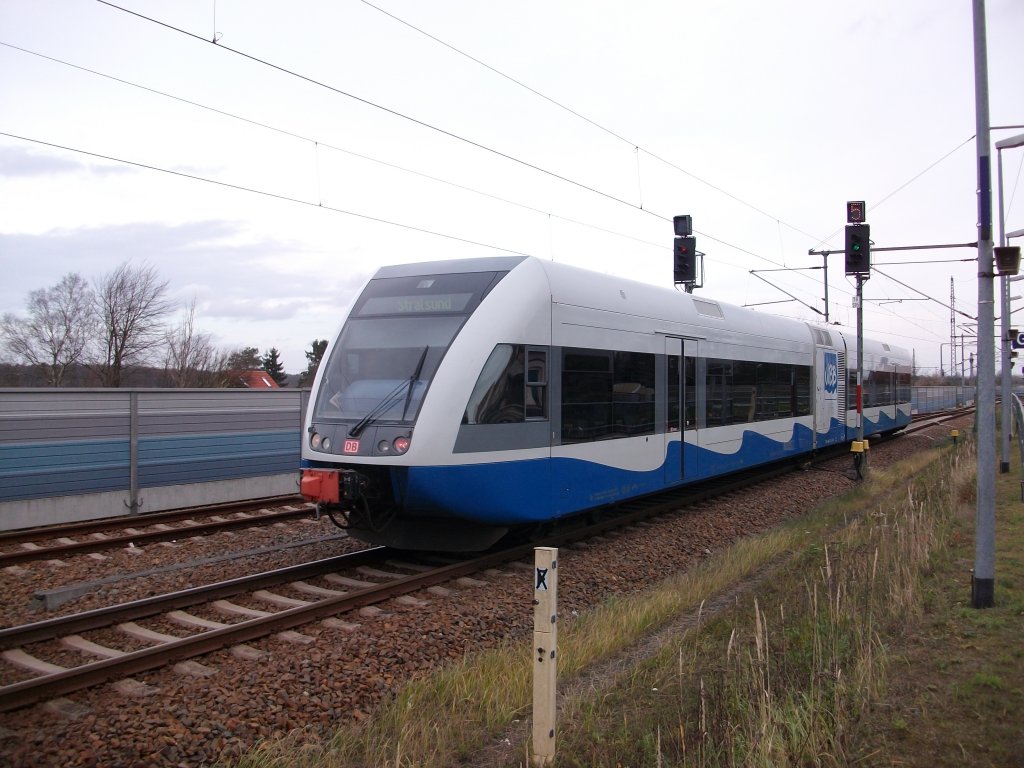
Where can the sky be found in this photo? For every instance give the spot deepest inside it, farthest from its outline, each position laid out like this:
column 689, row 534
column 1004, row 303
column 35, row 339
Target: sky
column 267, row 157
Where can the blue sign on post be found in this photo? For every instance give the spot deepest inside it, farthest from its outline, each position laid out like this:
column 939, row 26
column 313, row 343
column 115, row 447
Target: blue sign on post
column 1017, row 339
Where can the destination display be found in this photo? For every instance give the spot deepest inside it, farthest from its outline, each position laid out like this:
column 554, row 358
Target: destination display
column 416, row 305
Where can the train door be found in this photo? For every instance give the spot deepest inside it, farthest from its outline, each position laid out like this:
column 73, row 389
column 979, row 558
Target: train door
column 679, row 407
column 894, row 384
column 673, row 410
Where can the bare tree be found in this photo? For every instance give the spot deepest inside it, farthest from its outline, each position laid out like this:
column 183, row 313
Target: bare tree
column 132, row 304
column 60, row 324
column 191, row 360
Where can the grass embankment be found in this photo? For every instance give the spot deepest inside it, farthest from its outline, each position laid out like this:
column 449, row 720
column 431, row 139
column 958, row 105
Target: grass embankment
column 844, row 637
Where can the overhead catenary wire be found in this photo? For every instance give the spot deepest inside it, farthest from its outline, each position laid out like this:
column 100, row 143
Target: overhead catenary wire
column 632, row 144
column 286, row 198
column 388, row 110
column 265, row 193
column 320, row 143
column 502, row 154
column 499, row 153
column 903, row 186
column 429, row 126
column 317, row 143
column 637, row 148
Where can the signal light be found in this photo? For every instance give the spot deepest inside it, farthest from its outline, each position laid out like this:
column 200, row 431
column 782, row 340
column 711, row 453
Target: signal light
column 858, row 249
column 684, row 260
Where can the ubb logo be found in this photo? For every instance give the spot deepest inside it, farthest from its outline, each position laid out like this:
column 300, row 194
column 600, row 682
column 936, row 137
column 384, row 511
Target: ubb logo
column 831, row 372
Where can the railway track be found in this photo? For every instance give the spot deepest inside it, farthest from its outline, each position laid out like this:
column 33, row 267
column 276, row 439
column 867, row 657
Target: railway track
column 403, row 577
column 55, row 542
column 52, row 681
column 923, row 420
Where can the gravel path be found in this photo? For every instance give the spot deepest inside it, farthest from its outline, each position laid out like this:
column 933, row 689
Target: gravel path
column 333, row 675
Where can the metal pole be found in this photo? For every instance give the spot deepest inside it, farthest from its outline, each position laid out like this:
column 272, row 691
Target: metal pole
column 860, row 360
column 824, row 261
column 952, row 331
column 983, row 581
column 133, row 502
column 1004, row 285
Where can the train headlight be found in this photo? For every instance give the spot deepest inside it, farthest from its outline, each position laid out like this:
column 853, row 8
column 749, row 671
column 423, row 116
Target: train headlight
column 401, row 445
column 327, row 443
column 314, row 441
column 384, row 447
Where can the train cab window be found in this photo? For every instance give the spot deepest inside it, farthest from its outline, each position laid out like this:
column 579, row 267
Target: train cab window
column 392, row 343
column 606, row 394
column 511, row 388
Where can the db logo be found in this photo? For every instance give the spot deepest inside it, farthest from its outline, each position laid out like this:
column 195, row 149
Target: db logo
column 831, row 372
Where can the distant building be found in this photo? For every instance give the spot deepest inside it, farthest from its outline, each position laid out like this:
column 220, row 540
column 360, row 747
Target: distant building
column 257, row 380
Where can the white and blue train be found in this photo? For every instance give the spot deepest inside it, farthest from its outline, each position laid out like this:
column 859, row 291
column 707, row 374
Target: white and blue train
column 465, row 399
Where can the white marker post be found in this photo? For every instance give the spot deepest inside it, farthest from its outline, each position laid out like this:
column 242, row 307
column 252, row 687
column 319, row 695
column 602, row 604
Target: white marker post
column 545, row 642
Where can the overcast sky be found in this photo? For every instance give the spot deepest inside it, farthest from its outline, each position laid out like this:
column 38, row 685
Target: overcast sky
column 268, row 175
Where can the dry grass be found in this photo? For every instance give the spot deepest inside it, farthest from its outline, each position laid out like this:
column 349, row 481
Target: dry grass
column 783, row 677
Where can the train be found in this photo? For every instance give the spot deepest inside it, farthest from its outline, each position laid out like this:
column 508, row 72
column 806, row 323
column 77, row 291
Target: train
column 468, row 400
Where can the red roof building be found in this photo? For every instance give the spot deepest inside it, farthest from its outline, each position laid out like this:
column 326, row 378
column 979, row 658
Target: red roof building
column 257, row 380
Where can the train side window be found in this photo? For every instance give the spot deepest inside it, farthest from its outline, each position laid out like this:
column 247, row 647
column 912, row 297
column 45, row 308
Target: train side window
column 718, row 385
column 802, row 377
column 690, row 392
column 511, row 388
column 903, row 384
column 743, row 398
column 741, row 392
column 498, row 396
column 606, row 394
column 587, row 386
column 633, row 394
column 536, row 395
column 673, row 399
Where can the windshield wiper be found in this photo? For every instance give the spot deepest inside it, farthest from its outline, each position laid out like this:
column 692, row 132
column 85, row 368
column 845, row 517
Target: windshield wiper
column 390, row 399
column 412, row 381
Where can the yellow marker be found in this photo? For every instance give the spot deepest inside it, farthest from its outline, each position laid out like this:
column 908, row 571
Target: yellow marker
column 857, row 446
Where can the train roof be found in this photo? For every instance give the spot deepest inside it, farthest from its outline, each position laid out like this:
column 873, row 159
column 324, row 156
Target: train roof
column 577, row 286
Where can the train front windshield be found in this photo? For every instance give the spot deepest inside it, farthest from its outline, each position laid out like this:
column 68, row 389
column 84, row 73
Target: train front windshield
column 393, row 342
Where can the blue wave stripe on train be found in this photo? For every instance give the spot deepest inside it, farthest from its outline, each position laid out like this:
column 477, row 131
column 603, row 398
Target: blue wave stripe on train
column 530, row 491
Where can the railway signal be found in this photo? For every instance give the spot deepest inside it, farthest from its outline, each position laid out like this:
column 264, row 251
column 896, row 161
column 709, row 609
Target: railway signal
column 856, row 212
column 858, row 249
column 684, row 251
column 684, row 260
